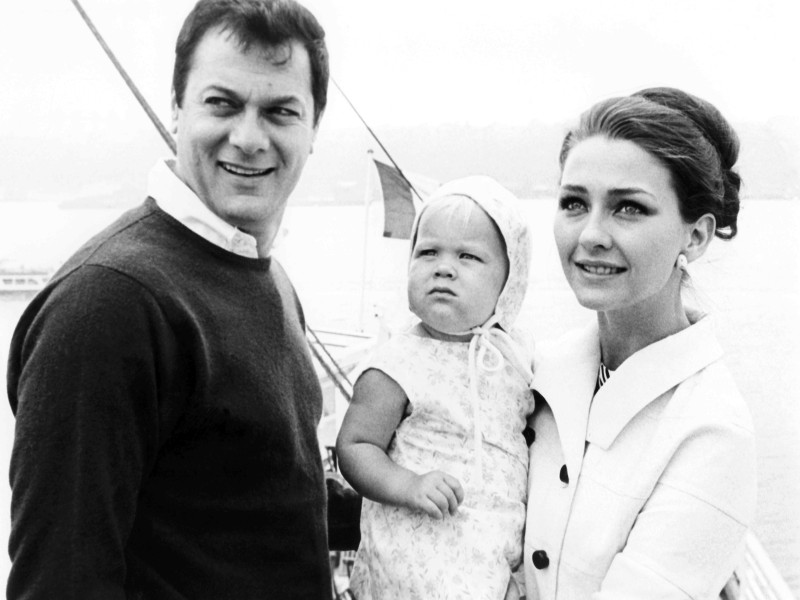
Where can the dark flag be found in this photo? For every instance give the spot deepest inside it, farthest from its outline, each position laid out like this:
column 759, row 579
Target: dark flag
column 398, row 204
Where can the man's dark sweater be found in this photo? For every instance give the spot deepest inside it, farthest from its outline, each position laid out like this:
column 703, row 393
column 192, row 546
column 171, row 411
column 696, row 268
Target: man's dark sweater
column 166, row 410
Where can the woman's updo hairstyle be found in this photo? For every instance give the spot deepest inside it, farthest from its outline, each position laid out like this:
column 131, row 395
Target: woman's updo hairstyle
column 688, row 135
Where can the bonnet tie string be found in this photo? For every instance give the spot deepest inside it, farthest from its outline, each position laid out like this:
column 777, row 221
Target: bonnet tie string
column 490, row 341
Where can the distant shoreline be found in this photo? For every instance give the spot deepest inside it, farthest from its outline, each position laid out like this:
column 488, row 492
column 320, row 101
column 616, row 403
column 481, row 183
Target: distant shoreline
column 112, row 203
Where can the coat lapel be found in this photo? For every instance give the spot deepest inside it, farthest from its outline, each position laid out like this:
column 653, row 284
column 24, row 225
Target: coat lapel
column 565, row 376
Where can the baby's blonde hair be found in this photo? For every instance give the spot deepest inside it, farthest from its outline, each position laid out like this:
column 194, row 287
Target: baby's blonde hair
column 457, row 209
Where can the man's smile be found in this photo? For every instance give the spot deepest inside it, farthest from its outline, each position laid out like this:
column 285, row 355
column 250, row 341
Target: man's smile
column 244, row 171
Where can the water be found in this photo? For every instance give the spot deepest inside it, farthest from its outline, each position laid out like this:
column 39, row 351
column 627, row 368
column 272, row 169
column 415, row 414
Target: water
column 751, row 285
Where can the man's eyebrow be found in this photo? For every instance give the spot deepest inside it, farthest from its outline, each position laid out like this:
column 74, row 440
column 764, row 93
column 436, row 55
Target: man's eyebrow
column 277, row 99
column 215, row 87
column 286, row 98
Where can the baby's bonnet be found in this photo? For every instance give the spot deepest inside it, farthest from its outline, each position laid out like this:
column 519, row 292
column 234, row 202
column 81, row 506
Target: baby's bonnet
column 504, row 209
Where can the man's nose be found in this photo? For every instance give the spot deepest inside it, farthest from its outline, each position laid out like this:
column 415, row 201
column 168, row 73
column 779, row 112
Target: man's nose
column 249, row 133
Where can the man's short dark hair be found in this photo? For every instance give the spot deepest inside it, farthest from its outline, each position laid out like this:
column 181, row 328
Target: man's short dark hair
column 265, row 23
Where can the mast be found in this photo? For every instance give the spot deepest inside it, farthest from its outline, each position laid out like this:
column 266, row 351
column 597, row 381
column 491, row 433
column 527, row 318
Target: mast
column 365, row 253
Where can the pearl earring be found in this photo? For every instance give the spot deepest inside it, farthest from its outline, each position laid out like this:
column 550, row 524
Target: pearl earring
column 683, row 262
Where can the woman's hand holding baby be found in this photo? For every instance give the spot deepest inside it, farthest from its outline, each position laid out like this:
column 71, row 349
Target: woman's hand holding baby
column 436, row 494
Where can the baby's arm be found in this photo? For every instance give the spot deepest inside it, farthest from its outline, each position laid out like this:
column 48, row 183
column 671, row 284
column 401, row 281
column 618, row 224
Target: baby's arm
column 370, row 422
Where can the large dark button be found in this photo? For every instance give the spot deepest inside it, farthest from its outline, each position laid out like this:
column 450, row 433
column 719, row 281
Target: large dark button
column 530, row 435
column 563, row 475
column 540, row 559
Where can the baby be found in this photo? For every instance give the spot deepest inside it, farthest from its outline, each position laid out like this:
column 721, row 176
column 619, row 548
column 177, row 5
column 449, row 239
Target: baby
column 433, row 438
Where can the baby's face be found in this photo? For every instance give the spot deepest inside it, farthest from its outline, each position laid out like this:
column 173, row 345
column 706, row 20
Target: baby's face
column 458, row 269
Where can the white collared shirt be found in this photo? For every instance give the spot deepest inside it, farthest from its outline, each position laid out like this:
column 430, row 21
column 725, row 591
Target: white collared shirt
column 176, row 199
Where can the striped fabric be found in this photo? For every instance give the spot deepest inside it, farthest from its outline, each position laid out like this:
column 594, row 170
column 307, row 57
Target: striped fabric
column 602, row 376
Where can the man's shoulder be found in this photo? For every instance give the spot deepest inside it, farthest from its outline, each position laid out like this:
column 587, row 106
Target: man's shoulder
column 133, row 244
column 130, row 255
column 122, row 231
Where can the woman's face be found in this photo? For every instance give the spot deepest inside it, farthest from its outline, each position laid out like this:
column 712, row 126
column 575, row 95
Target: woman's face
column 618, row 227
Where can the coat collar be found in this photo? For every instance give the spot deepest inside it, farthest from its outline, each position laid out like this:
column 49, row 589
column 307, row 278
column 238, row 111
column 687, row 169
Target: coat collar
column 566, row 373
column 648, row 374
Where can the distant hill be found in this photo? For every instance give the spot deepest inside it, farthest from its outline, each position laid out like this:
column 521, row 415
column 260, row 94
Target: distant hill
column 523, row 158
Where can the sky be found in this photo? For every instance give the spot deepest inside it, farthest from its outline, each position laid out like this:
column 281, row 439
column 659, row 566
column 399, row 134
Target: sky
column 70, row 127
column 417, row 61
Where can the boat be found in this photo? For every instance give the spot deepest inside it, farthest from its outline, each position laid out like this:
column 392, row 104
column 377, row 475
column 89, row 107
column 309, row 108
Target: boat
column 338, row 355
column 22, row 281
column 756, row 577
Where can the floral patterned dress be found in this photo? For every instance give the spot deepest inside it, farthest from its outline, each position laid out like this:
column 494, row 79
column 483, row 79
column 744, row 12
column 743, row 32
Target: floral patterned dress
column 407, row 555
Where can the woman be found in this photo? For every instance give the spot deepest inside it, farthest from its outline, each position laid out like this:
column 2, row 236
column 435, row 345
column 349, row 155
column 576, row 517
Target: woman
column 642, row 478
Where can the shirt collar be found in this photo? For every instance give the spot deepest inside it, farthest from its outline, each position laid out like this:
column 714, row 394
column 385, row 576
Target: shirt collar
column 176, row 199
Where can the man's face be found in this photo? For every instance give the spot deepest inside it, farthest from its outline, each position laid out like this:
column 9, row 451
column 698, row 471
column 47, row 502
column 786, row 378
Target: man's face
column 245, row 129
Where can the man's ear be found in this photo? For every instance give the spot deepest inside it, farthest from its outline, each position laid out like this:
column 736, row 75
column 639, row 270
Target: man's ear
column 701, row 232
column 316, row 131
column 175, row 109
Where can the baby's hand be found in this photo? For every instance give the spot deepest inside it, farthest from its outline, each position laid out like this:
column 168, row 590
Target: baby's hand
column 435, row 493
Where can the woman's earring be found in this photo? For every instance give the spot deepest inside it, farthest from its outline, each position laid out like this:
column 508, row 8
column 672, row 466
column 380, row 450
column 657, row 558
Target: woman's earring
column 683, row 262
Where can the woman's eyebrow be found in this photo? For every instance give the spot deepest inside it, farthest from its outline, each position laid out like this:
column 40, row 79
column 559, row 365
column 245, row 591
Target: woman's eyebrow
column 574, row 188
column 629, row 191
column 624, row 191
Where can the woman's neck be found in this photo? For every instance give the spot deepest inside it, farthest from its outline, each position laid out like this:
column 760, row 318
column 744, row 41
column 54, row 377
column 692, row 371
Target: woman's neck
column 625, row 332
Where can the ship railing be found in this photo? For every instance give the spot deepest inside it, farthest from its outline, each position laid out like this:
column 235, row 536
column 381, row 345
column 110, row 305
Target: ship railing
column 757, row 577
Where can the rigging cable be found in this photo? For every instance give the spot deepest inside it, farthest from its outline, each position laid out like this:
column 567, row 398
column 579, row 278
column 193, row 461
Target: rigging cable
column 132, row 86
column 330, row 356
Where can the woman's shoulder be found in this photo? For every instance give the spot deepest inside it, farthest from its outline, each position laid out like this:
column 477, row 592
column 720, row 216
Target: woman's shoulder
column 709, row 393
column 715, row 443
column 711, row 396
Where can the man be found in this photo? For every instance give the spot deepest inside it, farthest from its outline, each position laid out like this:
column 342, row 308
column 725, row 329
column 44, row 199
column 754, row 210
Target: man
column 166, row 404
